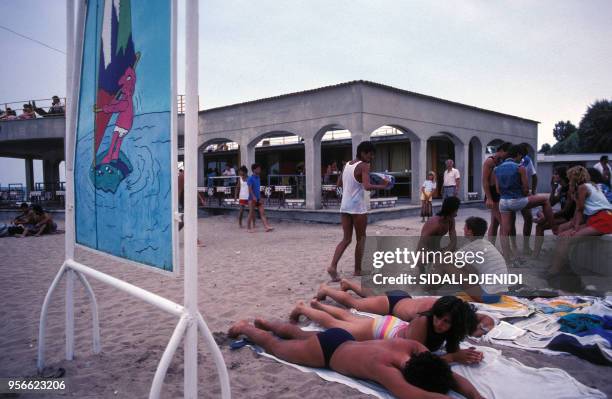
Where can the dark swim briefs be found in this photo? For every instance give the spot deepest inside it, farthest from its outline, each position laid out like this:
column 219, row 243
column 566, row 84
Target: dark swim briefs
column 494, row 194
column 394, row 297
column 330, row 340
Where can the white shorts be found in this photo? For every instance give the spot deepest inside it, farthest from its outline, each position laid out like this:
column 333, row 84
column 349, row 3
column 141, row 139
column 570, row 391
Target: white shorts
column 512, row 204
column 122, row 132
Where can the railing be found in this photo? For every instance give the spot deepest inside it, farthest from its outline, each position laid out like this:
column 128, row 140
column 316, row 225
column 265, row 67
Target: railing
column 41, row 107
column 43, row 193
column 15, row 110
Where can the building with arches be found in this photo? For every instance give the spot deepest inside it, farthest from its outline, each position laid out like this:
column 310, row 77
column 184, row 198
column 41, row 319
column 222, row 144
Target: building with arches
column 299, row 133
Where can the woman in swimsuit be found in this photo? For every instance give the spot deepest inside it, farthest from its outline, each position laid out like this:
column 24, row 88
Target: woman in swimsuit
column 447, row 322
column 396, row 303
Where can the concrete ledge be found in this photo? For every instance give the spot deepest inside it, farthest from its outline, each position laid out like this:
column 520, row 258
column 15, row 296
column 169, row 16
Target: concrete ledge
column 332, row 216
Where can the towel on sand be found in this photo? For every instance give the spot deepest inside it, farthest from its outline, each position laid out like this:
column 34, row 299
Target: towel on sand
column 495, row 378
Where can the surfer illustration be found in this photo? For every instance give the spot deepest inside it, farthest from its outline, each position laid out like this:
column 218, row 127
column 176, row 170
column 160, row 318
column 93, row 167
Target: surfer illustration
column 116, row 86
column 124, row 108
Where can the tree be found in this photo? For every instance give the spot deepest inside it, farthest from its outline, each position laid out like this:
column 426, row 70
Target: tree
column 570, row 145
column 563, row 130
column 595, row 129
column 545, row 148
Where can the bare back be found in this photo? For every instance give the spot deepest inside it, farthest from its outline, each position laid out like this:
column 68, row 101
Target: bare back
column 408, row 308
column 361, row 359
column 487, row 169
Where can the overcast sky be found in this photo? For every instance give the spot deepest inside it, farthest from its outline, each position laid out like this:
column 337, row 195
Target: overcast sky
column 544, row 60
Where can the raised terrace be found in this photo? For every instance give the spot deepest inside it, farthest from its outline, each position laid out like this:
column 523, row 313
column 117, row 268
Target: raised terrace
column 302, row 138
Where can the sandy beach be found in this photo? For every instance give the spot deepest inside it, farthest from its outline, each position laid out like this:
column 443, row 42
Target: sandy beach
column 241, row 275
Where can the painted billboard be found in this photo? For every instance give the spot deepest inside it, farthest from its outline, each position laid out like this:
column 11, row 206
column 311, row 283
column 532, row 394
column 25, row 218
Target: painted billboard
column 123, row 167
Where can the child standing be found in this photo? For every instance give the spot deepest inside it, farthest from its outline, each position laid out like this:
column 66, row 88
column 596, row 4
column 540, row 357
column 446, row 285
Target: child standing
column 254, row 185
column 242, row 192
column 427, row 189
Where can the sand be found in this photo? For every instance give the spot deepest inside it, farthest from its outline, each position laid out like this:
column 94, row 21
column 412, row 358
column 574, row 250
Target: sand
column 241, row 275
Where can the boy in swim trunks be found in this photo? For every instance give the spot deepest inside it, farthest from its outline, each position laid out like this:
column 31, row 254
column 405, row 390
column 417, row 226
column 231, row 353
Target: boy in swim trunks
column 488, row 185
column 404, row 367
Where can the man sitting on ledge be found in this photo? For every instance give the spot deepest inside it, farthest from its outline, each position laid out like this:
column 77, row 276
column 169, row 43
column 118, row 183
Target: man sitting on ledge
column 404, row 367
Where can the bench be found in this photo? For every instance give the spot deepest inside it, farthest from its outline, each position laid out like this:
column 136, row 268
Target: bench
column 295, row 203
column 383, row 202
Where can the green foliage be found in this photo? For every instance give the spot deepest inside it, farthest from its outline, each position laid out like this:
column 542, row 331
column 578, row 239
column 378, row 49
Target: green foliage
column 595, row 129
column 563, row 130
column 570, row 145
column 545, row 148
column 594, row 133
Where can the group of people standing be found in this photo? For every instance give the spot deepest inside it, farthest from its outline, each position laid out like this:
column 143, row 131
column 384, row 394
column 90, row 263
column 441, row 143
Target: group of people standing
column 581, row 192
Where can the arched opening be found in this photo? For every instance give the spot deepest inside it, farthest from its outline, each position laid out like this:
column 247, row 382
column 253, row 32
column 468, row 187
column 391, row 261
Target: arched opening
column 394, row 156
column 220, row 159
column 281, row 156
column 492, row 146
column 440, row 148
column 475, row 168
column 336, row 150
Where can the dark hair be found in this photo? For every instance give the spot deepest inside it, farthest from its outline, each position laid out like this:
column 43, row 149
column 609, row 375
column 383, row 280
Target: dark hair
column 561, row 171
column 523, row 149
column 471, row 318
column 365, row 147
column 504, row 146
column 515, row 151
column 603, row 158
column 244, row 169
column 596, row 176
column 255, row 166
column 461, row 315
column 429, row 372
column 24, row 205
column 450, row 205
column 477, row 225
column 37, row 209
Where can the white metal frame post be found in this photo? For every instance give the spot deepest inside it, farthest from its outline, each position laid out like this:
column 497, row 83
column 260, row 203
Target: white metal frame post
column 191, row 215
column 190, row 320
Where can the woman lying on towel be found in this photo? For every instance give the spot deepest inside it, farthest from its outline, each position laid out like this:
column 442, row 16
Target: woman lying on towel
column 448, row 321
column 404, row 367
column 396, row 303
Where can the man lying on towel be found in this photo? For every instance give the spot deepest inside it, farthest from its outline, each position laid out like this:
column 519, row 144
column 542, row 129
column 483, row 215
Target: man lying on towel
column 404, row 367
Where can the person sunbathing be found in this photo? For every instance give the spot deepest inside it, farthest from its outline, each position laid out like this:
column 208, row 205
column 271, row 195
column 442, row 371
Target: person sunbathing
column 448, row 322
column 404, row 367
column 397, row 303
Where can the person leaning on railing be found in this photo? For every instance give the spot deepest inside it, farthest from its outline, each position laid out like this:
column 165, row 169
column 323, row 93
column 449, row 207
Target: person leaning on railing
column 28, row 112
column 56, row 108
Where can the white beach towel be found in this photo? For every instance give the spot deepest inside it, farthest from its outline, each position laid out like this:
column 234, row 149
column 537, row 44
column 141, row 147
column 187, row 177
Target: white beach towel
column 495, row 378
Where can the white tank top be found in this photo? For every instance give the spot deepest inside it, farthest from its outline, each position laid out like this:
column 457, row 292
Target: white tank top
column 595, row 202
column 244, row 190
column 353, row 199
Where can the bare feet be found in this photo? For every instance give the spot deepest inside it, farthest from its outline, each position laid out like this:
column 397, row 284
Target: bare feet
column 345, row 285
column 237, row 328
column 333, row 273
column 268, row 229
column 200, row 244
column 250, row 230
column 262, row 324
column 315, row 304
column 295, row 314
column 322, row 293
